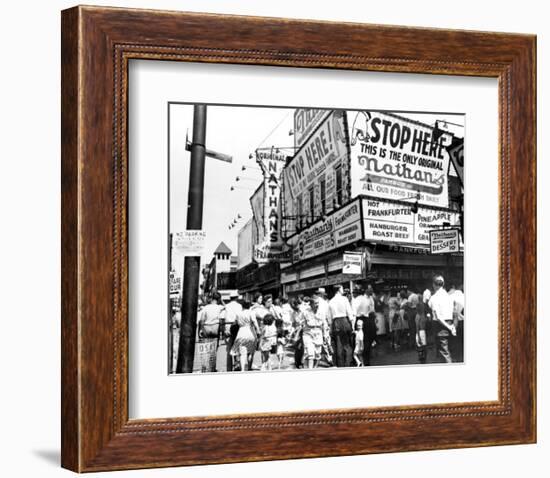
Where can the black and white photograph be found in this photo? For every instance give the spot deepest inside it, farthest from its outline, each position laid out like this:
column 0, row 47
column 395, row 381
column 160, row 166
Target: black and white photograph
column 309, row 238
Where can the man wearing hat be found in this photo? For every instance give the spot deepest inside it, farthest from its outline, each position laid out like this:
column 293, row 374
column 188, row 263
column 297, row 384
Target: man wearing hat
column 231, row 310
column 363, row 309
column 340, row 316
column 442, row 305
column 322, row 312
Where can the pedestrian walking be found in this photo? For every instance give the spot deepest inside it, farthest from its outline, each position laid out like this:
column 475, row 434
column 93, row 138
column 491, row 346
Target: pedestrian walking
column 341, row 316
column 244, row 345
column 441, row 304
column 410, row 314
column 322, row 310
column 231, row 311
column 259, row 308
column 358, row 343
column 297, row 321
column 369, row 331
column 268, row 341
column 457, row 348
column 209, row 319
column 313, row 329
column 395, row 322
column 282, row 337
column 421, row 335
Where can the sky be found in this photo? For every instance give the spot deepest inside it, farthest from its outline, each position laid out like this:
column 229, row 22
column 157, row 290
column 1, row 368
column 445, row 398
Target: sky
column 237, row 131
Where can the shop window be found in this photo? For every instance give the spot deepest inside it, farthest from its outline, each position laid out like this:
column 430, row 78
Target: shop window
column 323, row 195
column 299, row 212
column 339, row 185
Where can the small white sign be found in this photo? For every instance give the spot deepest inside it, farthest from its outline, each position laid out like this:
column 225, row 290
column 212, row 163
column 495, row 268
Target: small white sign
column 174, row 283
column 353, row 263
column 205, row 356
column 190, row 243
column 444, row 241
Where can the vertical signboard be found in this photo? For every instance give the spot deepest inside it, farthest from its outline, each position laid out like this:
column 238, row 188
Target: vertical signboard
column 174, row 283
column 393, row 157
column 257, row 205
column 271, row 247
column 245, row 244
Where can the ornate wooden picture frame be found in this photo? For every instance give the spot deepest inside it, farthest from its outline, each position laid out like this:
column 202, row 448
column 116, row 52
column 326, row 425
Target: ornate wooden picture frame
column 97, row 44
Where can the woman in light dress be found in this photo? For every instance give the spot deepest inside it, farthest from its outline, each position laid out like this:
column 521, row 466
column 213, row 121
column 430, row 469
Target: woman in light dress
column 247, row 338
column 395, row 320
column 259, row 309
column 268, row 341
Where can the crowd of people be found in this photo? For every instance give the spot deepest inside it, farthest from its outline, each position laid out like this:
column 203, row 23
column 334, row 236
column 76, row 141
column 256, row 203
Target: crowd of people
column 340, row 332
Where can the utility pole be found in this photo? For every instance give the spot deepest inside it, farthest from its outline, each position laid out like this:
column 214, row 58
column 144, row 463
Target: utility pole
column 191, row 270
column 191, row 267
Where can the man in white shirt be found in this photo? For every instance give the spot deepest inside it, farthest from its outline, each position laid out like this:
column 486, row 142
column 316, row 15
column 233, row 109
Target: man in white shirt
column 458, row 320
column 322, row 311
column 209, row 318
column 340, row 316
column 442, row 306
column 322, row 307
column 231, row 311
column 363, row 305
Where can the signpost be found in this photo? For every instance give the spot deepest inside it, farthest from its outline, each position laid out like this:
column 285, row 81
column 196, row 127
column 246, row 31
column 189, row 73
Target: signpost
column 353, row 263
column 444, row 241
column 174, row 284
column 190, row 243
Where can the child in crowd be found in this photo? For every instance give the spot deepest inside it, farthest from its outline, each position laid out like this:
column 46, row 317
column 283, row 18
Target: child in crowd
column 268, row 341
column 282, row 335
column 359, row 342
column 421, row 337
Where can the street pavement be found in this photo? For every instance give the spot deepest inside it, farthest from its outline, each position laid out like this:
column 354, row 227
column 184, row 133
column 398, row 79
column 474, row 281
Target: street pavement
column 381, row 354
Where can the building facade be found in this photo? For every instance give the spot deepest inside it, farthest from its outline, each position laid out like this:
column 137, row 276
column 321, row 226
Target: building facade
column 220, row 273
column 366, row 182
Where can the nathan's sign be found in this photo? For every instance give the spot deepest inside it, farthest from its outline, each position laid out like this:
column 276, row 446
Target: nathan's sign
column 396, row 158
column 393, row 223
column 272, row 163
column 305, row 121
column 324, row 147
column 444, row 241
column 339, row 229
column 352, row 263
column 267, row 253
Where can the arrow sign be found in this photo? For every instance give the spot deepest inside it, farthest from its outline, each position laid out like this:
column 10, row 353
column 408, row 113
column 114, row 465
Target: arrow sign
column 212, row 154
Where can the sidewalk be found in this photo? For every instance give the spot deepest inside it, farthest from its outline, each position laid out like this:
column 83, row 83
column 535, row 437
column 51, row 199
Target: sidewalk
column 381, row 354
